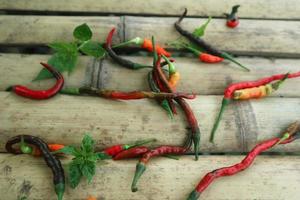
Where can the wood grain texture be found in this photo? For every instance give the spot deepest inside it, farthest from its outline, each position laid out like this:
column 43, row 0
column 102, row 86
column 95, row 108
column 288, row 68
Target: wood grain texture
column 35, row 30
column 255, row 37
column 65, row 119
column 251, row 9
column 268, row 178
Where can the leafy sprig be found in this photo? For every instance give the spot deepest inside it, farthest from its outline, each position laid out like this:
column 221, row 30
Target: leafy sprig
column 66, row 53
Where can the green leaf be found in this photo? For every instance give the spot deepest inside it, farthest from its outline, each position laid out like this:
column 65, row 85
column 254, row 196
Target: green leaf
column 199, row 32
column 88, row 170
column 87, row 144
column 83, row 32
column 92, row 49
column 74, row 174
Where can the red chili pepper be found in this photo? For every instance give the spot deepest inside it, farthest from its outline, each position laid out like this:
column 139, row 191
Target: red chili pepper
column 131, row 153
column 114, row 150
column 141, row 165
column 40, row 94
column 205, row 57
column 232, row 19
column 229, row 93
column 52, row 147
column 245, row 163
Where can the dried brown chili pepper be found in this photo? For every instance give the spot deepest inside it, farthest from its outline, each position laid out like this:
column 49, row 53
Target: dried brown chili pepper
column 232, row 19
column 248, row 90
column 121, row 61
column 52, row 162
column 294, row 133
column 112, row 94
column 40, row 94
column 208, row 48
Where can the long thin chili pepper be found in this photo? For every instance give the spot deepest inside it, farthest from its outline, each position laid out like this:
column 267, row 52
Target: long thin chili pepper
column 203, row 44
column 124, row 62
column 114, row 150
column 40, row 94
column 52, row 162
column 112, row 94
column 232, row 19
column 245, row 163
column 233, row 92
column 141, row 166
column 205, row 57
column 145, row 44
column 131, row 153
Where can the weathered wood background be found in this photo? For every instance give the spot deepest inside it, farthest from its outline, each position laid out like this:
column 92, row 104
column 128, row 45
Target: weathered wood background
column 266, row 42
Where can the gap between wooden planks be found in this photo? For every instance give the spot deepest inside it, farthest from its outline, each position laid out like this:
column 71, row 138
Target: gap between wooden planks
column 270, row 177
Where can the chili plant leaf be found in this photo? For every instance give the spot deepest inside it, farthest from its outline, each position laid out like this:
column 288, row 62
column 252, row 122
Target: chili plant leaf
column 87, row 144
column 74, row 174
column 83, row 32
column 88, row 170
column 93, row 49
column 199, row 32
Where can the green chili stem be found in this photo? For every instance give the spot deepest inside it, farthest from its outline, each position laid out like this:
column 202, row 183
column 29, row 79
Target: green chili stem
column 277, row 84
column 172, row 68
column 193, row 50
column 140, row 169
column 155, row 56
column 137, row 41
column 72, row 91
column 166, row 106
column 196, row 141
column 225, row 102
column 284, row 137
column 229, row 57
column 194, row 195
column 59, row 190
column 139, row 143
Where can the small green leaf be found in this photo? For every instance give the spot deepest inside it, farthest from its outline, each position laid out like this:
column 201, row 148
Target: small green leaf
column 88, row 170
column 93, row 49
column 74, row 174
column 199, row 32
column 87, row 144
column 83, row 32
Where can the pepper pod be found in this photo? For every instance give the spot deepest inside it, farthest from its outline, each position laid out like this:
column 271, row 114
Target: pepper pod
column 205, row 57
column 232, row 19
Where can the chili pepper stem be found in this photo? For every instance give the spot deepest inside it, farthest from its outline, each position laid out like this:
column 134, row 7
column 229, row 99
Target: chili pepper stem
column 229, row 57
column 137, row 41
column 71, row 91
column 139, row 143
column 194, row 195
column 193, row 50
column 225, row 102
column 59, row 190
column 172, row 68
column 277, row 84
column 140, row 169
column 24, row 147
column 196, row 141
column 166, row 106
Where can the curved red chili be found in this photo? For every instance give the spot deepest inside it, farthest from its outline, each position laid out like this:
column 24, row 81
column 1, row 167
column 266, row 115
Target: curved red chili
column 232, row 19
column 245, row 163
column 131, row 153
column 229, row 93
column 40, row 94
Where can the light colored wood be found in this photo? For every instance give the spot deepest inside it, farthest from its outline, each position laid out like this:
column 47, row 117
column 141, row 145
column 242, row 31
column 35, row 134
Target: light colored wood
column 197, row 77
column 21, row 69
column 251, row 9
column 46, row 29
column 65, row 119
column 257, row 37
column 270, row 177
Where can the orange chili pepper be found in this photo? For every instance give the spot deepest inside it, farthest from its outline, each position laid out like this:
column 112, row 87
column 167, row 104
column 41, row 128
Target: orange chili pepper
column 91, row 198
column 52, row 147
column 147, row 44
column 174, row 79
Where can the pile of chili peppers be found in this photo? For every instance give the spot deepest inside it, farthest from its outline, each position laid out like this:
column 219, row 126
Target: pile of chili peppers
column 163, row 88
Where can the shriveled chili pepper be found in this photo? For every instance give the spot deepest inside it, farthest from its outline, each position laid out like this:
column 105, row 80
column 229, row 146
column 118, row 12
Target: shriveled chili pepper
column 131, row 153
column 40, row 94
column 208, row 48
column 141, row 165
column 205, row 57
column 52, row 162
column 245, row 163
column 112, row 94
column 248, row 90
column 232, row 18
column 145, row 44
column 121, row 61
column 114, row 150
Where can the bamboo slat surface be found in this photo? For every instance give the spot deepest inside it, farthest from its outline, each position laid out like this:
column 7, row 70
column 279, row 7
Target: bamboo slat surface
column 270, row 177
column 250, row 9
column 65, row 119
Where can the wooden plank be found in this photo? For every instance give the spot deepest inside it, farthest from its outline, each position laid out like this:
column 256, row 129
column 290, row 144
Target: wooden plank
column 45, row 29
column 21, row 69
column 65, row 119
column 249, row 9
column 196, row 77
column 163, row 179
column 255, row 37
